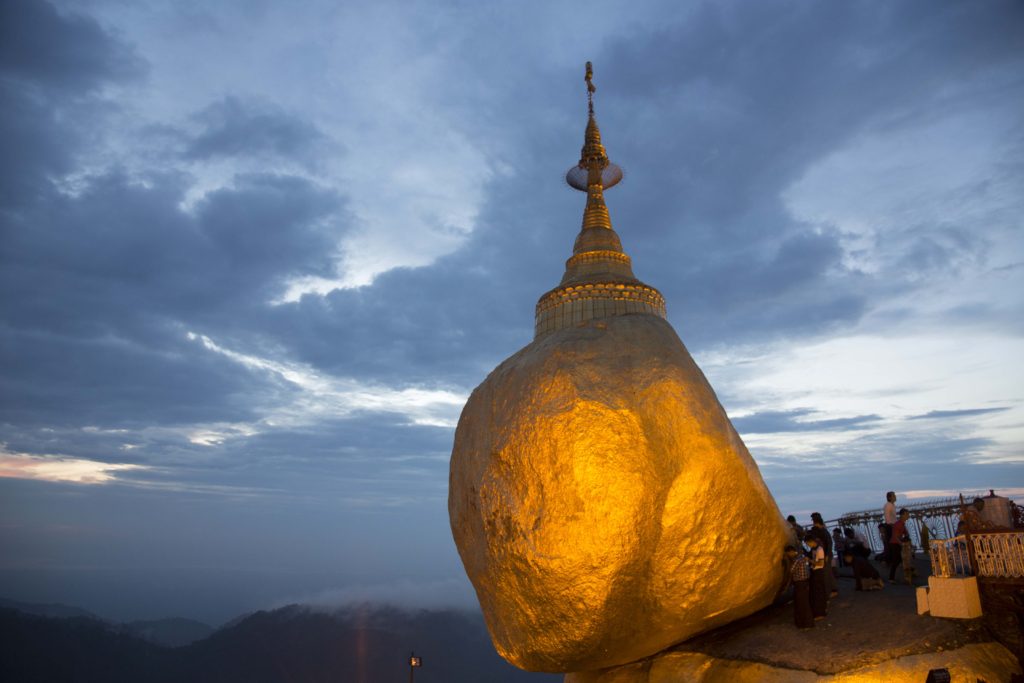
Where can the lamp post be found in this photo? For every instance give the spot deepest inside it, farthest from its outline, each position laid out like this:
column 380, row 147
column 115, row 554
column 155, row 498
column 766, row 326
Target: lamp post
column 414, row 663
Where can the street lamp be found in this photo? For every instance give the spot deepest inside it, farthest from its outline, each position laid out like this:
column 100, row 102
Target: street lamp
column 414, row 663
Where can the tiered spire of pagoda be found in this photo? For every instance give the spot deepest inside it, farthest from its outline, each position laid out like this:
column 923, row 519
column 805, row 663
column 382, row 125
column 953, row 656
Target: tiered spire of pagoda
column 598, row 280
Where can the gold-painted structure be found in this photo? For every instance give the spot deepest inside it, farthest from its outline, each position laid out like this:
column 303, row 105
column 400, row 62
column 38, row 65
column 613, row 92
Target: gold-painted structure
column 599, row 497
column 598, row 280
column 997, row 555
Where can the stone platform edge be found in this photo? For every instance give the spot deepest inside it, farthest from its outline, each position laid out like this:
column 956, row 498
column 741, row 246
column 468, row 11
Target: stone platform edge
column 990, row 662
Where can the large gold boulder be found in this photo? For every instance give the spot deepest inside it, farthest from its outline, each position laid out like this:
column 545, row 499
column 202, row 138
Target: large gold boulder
column 602, row 503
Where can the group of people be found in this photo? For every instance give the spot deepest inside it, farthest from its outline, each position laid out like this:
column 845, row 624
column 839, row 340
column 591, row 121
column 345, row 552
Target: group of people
column 809, row 570
column 809, row 563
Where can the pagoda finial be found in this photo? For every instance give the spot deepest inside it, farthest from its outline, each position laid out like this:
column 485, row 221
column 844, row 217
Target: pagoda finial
column 591, row 88
column 594, row 173
column 593, row 168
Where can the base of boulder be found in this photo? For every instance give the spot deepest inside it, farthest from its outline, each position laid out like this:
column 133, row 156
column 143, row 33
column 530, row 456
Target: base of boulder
column 990, row 662
column 867, row 636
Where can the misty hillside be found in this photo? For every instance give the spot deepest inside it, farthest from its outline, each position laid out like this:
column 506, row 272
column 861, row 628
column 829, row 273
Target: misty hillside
column 369, row 643
column 35, row 648
column 47, row 609
column 172, row 632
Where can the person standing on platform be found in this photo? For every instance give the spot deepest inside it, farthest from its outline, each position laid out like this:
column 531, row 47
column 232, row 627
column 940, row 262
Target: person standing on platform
column 888, row 519
column 800, row 577
column 884, row 533
column 896, row 543
column 819, row 596
column 838, row 544
column 797, row 529
column 926, row 535
column 907, row 555
column 819, row 531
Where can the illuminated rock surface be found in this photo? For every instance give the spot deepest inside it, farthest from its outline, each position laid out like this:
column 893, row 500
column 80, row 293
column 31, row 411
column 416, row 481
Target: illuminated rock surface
column 599, row 496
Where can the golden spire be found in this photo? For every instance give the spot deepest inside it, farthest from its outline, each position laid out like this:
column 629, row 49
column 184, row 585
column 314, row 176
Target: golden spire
column 598, row 280
column 594, row 172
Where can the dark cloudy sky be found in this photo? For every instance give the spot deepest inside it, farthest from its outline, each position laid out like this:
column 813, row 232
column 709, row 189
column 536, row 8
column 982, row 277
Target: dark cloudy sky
column 255, row 255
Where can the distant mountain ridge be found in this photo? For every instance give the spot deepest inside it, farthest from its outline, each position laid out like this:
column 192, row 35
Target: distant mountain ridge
column 54, row 609
column 360, row 643
column 171, row 632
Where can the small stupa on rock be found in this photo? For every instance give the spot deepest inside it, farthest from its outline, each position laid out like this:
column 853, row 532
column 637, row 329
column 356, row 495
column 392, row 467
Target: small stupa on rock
column 599, row 496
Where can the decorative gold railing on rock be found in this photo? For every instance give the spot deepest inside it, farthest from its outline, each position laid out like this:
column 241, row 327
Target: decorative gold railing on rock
column 999, row 555
column 949, row 557
column 991, row 555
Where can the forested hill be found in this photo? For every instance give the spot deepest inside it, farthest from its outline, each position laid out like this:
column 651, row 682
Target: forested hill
column 369, row 643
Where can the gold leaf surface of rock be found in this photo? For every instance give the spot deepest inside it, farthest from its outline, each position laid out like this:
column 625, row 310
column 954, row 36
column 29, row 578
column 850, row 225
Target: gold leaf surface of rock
column 603, row 505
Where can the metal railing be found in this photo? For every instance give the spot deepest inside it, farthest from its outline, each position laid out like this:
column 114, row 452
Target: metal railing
column 990, row 555
column 939, row 514
column 999, row 554
column 950, row 557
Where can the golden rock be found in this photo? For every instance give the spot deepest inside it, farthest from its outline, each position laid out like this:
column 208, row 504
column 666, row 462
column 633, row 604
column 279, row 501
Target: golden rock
column 601, row 501
column 603, row 505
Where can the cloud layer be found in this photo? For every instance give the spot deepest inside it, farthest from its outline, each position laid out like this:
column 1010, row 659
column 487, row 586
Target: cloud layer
column 254, row 258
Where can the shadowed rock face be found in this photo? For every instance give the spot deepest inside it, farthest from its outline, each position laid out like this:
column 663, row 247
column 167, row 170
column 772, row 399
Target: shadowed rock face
column 601, row 500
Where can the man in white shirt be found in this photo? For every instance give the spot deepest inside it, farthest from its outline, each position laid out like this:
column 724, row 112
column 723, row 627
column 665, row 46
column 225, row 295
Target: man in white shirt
column 890, row 508
column 889, row 518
